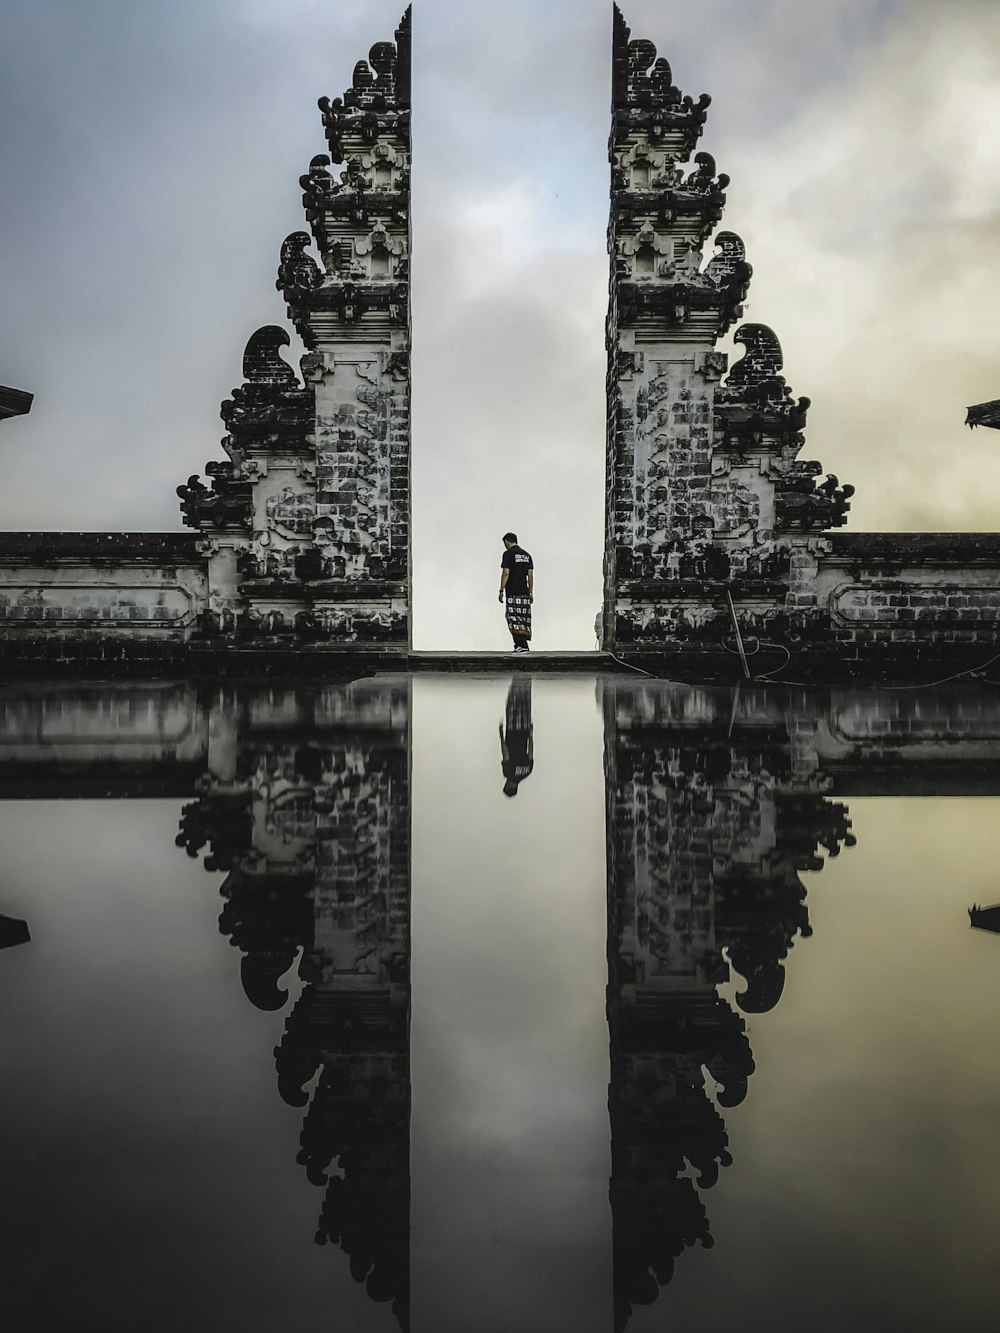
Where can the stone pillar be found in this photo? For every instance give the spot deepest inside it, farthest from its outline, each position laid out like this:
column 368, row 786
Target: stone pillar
column 356, row 321
column 308, row 524
column 701, row 473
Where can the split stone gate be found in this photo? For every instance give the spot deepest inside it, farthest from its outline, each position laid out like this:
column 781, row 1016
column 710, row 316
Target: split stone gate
column 719, row 537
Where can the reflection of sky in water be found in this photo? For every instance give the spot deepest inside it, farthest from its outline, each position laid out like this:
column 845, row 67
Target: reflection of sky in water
column 149, row 1164
column 510, row 1042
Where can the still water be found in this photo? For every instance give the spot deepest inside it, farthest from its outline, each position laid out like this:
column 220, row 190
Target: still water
column 498, row 1005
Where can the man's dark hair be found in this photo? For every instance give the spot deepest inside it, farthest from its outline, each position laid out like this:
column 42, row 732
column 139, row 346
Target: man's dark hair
column 510, row 537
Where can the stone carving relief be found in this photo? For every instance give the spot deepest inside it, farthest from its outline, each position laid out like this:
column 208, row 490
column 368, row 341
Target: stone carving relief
column 383, row 166
column 292, row 512
column 382, row 252
column 89, row 603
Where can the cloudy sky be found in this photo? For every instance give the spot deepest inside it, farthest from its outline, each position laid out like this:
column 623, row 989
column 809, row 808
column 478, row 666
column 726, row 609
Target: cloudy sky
column 151, row 154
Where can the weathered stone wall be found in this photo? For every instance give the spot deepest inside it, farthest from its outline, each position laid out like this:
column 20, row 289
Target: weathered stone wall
column 97, row 593
column 891, row 593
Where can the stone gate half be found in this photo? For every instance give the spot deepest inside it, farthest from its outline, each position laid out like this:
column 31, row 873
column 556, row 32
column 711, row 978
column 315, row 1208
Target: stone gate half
column 715, row 527
column 302, row 533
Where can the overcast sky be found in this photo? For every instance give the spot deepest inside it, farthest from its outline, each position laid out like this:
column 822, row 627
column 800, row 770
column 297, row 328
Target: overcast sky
column 151, row 154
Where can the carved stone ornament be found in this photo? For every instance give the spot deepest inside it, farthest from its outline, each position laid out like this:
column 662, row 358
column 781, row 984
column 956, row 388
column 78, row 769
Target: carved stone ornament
column 292, row 512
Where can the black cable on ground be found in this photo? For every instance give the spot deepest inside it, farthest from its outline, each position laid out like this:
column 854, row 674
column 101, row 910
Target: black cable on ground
column 921, row 685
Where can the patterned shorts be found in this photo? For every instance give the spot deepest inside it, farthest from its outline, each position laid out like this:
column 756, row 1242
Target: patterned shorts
column 519, row 615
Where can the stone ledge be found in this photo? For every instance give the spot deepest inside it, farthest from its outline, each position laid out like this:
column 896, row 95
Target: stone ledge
column 160, row 548
column 703, row 590
column 171, row 660
column 913, row 548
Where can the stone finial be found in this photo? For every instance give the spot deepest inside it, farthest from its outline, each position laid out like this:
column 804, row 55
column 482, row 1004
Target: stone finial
column 297, row 271
column 262, row 360
column 380, row 87
column 728, row 266
column 642, row 86
column 271, row 405
column 318, row 186
column 755, row 399
column 270, row 411
column 226, row 504
column 298, row 275
column 762, row 360
column 755, row 412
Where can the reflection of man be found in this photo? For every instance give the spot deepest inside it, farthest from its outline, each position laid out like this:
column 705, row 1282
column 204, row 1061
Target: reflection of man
column 517, row 579
column 517, row 748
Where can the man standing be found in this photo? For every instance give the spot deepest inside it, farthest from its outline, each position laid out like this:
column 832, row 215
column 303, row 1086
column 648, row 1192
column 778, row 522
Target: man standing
column 517, row 580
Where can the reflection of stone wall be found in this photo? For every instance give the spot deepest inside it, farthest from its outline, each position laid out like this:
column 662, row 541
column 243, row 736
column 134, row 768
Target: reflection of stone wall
column 707, row 832
column 102, row 739
column 717, row 800
column 144, row 738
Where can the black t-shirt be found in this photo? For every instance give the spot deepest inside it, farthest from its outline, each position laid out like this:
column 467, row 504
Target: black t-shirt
column 518, row 562
column 518, row 766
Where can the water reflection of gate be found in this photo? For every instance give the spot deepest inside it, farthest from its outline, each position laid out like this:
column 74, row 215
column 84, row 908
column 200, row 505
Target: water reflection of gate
column 708, row 829
column 302, row 797
column 312, row 824
column 715, row 804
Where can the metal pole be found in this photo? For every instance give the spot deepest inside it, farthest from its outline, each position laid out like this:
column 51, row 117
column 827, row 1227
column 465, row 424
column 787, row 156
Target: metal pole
column 739, row 636
column 733, row 711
